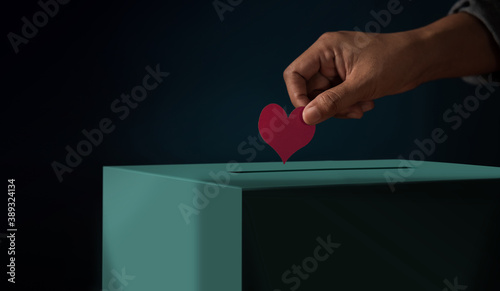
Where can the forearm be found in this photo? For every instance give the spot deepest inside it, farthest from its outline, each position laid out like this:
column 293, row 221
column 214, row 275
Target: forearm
column 455, row 46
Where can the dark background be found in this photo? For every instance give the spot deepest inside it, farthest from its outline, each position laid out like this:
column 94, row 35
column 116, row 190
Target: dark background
column 222, row 73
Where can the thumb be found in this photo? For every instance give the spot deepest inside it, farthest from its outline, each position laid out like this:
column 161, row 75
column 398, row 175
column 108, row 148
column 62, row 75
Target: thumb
column 330, row 102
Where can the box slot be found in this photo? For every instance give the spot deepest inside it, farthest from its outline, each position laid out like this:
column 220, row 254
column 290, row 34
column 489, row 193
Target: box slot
column 311, row 170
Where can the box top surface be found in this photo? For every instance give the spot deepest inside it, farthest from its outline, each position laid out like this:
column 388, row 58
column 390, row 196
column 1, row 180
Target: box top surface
column 317, row 173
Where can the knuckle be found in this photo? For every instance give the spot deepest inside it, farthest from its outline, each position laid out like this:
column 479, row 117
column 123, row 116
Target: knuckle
column 330, row 36
column 287, row 72
column 327, row 35
column 344, row 33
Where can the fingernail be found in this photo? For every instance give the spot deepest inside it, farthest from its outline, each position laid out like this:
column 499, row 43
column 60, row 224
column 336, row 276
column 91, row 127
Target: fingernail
column 311, row 114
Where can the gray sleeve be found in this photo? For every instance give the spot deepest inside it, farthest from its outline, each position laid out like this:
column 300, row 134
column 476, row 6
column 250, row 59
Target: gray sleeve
column 488, row 12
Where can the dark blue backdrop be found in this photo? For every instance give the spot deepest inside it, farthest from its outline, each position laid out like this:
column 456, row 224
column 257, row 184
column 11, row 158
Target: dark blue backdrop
column 222, row 73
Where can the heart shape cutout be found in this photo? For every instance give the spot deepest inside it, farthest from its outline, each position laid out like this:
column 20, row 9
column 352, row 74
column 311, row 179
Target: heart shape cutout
column 286, row 135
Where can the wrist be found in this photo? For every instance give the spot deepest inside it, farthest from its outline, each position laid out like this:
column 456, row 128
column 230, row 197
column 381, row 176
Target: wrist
column 413, row 55
column 455, row 46
column 424, row 61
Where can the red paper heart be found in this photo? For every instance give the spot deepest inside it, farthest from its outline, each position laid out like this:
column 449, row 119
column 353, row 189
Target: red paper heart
column 284, row 134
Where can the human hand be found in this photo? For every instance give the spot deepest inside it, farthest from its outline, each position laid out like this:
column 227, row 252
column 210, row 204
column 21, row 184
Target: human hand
column 343, row 72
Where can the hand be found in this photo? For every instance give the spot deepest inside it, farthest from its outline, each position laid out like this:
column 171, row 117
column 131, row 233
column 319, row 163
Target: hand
column 343, row 72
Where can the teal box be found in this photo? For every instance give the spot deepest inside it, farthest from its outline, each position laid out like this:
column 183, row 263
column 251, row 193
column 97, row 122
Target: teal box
column 326, row 225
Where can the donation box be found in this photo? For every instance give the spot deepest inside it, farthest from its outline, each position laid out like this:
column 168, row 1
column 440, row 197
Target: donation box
column 325, row 225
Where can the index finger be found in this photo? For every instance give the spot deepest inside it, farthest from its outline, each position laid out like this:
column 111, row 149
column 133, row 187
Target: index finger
column 298, row 73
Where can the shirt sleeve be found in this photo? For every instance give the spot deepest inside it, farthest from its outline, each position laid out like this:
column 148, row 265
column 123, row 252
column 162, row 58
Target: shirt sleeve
column 488, row 12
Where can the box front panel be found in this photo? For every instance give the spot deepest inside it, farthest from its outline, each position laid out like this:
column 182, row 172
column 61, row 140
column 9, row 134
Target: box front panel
column 424, row 236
